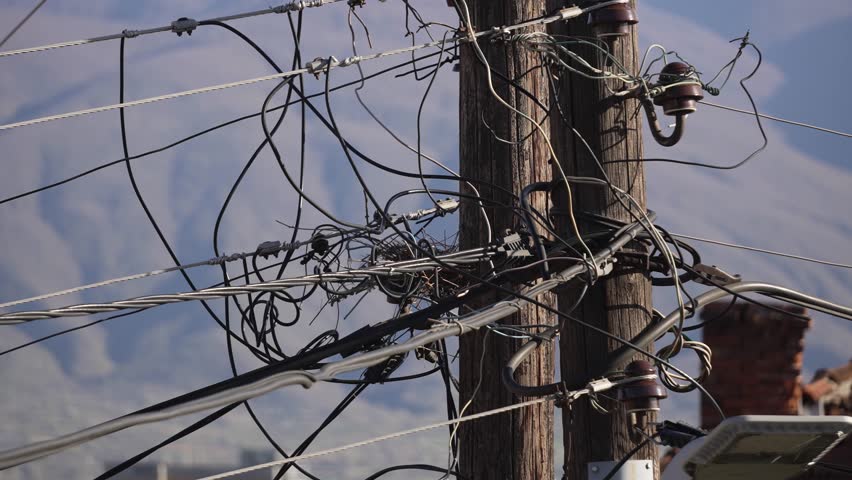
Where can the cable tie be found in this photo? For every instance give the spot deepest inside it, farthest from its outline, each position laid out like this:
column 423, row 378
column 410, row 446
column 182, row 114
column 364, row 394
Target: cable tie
column 184, row 25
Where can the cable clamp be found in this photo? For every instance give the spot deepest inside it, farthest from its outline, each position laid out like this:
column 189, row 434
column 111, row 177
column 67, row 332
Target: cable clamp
column 184, row 25
column 321, row 65
column 712, row 275
column 266, row 249
column 129, row 33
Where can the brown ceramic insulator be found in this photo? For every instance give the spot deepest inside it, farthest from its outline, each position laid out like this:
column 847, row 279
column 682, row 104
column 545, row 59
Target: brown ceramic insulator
column 642, row 395
column 613, row 21
column 682, row 99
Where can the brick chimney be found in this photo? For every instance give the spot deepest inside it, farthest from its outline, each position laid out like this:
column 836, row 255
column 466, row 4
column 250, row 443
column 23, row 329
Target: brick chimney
column 757, row 360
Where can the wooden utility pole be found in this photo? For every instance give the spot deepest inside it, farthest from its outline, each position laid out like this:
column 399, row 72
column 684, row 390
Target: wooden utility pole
column 620, row 305
column 516, row 445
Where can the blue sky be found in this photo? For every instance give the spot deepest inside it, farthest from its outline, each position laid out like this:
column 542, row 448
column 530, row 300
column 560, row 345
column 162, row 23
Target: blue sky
column 794, row 198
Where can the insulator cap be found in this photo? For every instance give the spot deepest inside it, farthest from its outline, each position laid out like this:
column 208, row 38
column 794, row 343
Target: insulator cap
column 642, row 395
column 680, row 99
column 613, row 21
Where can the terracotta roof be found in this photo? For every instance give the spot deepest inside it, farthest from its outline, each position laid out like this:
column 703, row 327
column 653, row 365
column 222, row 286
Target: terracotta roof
column 832, row 386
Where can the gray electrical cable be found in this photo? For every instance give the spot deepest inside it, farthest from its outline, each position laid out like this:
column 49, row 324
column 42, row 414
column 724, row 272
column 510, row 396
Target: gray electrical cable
column 320, row 65
column 658, row 329
column 386, row 269
column 176, row 26
column 304, row 378
column 449, row 205
column 778, row 119
column 762, row 250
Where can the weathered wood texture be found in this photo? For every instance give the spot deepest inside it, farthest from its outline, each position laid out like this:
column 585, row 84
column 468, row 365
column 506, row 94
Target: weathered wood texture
column 621, row 305
column 516, row 445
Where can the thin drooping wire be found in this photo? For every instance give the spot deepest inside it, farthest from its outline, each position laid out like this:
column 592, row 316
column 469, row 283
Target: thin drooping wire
column 63, row 332
column 21, row 23
column 777, row 119
column 761, row 250
column 144, row 204
column 332, row 119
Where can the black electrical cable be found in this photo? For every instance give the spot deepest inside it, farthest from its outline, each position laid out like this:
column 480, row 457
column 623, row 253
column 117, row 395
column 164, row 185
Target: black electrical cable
column 349, row 344
column 144, row 204
column 419, row 117
column 356, row 170
column 387, row 380
column 69, row 330
column 347, row 400
column 177, row 436
column 490, row 284
column 414, row 466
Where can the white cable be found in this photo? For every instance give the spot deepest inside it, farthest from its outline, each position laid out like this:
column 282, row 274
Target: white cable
column 321, row 66
column 21, row 23
column 383, row 438
column 287, row 7
column 148, row 100
column 777, row 119
column 761, row 250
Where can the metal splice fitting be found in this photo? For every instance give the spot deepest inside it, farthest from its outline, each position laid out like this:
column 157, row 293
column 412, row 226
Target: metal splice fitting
column 613, row 21
column 642, row 396
column 683, row 96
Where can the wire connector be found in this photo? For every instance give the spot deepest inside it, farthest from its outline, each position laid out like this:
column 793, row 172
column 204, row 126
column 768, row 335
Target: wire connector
column 184, row 25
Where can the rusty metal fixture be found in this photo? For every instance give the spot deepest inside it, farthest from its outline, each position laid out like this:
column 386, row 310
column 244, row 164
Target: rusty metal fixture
column 641, row 397
column 679, row 99
column 613, row 21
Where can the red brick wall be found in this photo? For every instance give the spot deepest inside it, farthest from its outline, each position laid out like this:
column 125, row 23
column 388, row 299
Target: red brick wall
column 757, row 360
